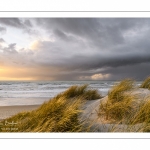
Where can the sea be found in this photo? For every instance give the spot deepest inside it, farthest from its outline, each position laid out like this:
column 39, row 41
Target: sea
column 36, row 92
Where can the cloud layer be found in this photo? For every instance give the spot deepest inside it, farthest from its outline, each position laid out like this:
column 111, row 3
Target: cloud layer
column 75, row 48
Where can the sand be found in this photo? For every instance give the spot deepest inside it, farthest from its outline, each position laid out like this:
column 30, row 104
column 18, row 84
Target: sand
column 97, row 124
column 8, row 111
column 89, row 114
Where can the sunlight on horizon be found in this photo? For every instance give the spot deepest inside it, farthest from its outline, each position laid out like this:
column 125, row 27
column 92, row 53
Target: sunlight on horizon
column 8, row 74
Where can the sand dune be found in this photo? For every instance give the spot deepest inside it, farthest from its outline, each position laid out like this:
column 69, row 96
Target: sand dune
column 89, row 114
column 97, row 124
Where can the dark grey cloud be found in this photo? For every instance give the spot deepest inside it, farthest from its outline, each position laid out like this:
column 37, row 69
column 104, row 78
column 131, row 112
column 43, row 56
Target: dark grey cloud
column 61, row 34
column 136, row 71
column 16, row 22
column 88, row 45
column 99, row 32
column 28, row 23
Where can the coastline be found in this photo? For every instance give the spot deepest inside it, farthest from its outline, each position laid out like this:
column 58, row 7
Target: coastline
column 8, row 111
column 56, row 116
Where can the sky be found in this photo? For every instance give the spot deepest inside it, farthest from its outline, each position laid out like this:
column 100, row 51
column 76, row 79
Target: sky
column 74, row 48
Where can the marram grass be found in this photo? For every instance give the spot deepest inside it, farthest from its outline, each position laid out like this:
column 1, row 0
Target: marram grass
column 75, row 91
column 118, row 110
column 123, row 108
column 116, row 94
column 146, row 83
column 139, row 120
column 119, row 103
column 60, row 114
column 143, row 113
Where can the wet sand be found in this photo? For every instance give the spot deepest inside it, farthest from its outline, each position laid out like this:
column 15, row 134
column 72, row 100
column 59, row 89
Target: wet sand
column 8, row 111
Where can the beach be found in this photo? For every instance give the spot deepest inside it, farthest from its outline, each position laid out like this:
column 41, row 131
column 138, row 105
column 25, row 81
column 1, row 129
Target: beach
column 8, row 111
column 80, row 109
column 37, row 92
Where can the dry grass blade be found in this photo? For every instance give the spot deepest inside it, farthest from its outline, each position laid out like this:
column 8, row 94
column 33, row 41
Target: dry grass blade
column 146, row 83
column 119, row 104
column 115, row 94
column 83, row 91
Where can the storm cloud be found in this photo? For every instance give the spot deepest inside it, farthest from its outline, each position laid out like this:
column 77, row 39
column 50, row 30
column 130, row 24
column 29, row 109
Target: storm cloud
column 78, row 48
column 15, row 22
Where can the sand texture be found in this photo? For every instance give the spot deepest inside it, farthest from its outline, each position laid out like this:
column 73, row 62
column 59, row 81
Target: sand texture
column 97, row 124
column 8, row 111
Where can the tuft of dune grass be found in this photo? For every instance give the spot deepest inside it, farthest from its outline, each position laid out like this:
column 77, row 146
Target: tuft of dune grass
column 60, row 114
column 76, row 91
column 122, row 107
column 116, row 94
column 119, row 104
column 146, row 83
column 139, row 121
column 143, row 113
column 117, row 111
